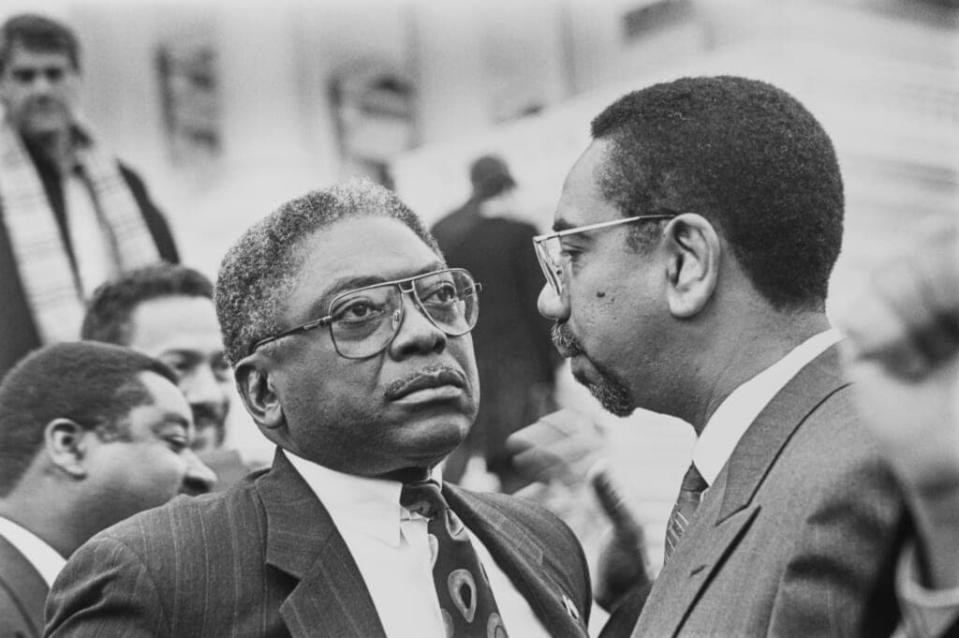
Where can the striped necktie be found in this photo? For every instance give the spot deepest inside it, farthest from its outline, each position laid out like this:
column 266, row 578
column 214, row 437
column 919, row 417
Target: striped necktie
column 690, row 494
column 465, row 596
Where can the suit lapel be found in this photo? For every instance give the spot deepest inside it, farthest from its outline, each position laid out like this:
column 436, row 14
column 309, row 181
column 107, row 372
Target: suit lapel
column 700, row 554
column 330, row 600
column 762, row 443
column 727, row 510
column 26, row 586
column 520, row 556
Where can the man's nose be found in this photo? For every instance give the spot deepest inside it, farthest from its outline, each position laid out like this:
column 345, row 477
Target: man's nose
column 40, row 83
column 201, row 385
column 416, row 332
column 199, row 479
column 552, row 305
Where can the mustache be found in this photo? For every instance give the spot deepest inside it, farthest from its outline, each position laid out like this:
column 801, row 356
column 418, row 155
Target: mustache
column 42, row 101
column 203, row 412
column 565, row 341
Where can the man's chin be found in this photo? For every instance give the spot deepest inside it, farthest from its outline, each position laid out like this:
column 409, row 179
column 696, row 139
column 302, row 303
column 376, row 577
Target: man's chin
column 611, row 394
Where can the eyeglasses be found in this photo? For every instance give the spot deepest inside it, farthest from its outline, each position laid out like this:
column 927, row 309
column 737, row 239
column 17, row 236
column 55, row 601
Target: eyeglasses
column 363, row 321
column 549, row 249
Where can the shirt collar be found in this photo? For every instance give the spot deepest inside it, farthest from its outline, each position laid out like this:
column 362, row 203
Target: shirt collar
column 46, row 560
column 360, row 504
column 738, row 410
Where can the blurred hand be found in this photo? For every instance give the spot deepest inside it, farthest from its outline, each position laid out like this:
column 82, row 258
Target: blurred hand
column 560, row 446
column 623, row 565
column 903, row 354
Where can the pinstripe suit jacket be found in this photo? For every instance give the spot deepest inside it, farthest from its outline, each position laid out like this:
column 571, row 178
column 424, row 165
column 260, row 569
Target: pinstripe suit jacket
column 265, row 559
column 22, row 592
column 795, row 535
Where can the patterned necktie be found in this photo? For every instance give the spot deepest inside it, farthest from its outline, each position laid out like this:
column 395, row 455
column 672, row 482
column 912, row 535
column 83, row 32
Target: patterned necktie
column 690, row 493
column 466, row 599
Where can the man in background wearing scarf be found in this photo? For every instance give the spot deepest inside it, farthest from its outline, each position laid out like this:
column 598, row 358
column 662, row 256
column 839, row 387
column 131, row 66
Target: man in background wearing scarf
column 72, row 215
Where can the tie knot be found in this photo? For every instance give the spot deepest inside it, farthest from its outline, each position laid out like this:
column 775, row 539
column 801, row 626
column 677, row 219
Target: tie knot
column 423, row 498
column 693, row 481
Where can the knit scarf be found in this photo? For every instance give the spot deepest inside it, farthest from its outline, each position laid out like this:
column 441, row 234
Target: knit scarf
column 52, row 291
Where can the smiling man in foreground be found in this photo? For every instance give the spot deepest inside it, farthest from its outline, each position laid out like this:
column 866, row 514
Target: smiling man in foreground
column 349, row 340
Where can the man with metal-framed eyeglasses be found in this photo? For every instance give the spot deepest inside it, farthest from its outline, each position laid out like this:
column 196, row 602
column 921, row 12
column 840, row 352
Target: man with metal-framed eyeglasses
column 349, row 338
column 363, row 322
column 718, row 319
column 550, row 251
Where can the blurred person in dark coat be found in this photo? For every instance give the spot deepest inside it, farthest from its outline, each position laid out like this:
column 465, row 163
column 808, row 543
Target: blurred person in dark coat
column 71, row 215
column 166, row 311
column 90, row 434
column 513, row 350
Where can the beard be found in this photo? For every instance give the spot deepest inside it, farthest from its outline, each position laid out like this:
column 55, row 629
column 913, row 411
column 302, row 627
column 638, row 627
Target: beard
column 610, row 390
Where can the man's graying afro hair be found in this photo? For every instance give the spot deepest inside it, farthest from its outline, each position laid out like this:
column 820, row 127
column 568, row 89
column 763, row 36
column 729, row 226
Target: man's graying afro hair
column 259, row 271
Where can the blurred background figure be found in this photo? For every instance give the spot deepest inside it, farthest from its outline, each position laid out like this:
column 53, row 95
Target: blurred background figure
column 71, row 214
column 515, row 356
column 903, row 353
column 90, row 434
column 166, row 311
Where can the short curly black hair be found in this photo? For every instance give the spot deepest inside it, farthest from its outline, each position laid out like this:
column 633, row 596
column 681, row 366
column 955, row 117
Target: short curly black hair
column 258, row 272
column 38, row 33
column 94, row 384
column 108, row 313
column 747, row 156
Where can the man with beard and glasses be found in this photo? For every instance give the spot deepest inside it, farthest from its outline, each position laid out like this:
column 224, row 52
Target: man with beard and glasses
column 349, row 340
column 166, row 311
column 71, row 215
column 90, row 433
column 688, row 274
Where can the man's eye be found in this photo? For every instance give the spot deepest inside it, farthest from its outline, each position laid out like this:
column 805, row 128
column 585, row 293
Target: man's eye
column 177, row 443
column 179, row 365
column 221, row 369
column 24, row 76
column 358, row 311
column 442, row 294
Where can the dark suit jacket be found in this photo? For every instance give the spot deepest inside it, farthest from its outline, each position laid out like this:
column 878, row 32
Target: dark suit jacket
column 18, row 332
column 22, row 593
column 265, row 559
column 792, row 538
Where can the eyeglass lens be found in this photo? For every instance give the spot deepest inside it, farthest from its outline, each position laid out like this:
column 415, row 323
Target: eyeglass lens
column 365, row 321
column 549, row 251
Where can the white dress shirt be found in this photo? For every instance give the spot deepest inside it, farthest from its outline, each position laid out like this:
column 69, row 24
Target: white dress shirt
column 46, row 560
column 926, row 613
column 390, row 547
column 737, row 411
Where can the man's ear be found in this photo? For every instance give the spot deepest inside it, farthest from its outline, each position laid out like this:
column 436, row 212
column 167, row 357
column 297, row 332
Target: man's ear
column 66, row 446
column 255, row 386
column 693, row 269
